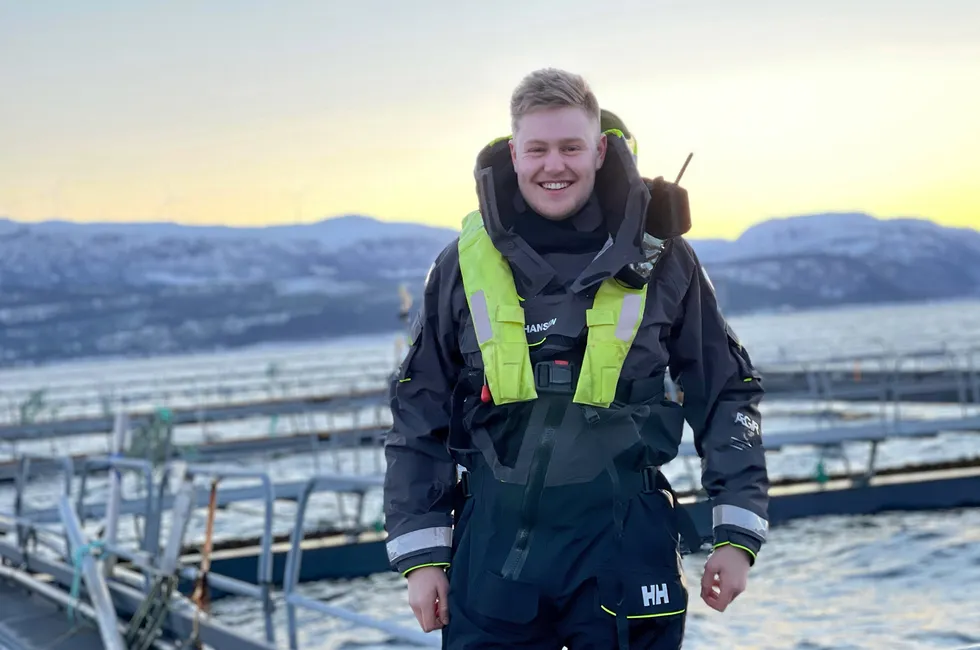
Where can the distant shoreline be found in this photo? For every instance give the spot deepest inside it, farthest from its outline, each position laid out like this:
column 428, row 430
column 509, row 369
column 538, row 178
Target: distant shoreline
column 272, row 349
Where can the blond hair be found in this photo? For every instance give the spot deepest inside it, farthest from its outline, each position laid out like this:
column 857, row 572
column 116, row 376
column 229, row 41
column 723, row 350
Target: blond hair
column 551, row 88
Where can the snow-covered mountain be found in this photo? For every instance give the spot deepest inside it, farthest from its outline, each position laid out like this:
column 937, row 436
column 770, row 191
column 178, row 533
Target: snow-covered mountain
column 332, row 233
column 69, row 289
column 847, row 234
column 59, row 254
column 839, row 258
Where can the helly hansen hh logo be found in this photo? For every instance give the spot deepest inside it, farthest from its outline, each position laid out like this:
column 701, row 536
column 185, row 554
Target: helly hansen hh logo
column 655, row 595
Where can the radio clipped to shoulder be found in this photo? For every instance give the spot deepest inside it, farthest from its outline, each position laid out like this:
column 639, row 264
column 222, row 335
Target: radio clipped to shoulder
column 668, row 216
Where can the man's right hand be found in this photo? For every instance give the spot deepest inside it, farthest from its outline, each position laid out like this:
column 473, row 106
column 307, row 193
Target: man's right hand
column 428, row 595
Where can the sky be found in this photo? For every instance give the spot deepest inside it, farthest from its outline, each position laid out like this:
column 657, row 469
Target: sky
column 252, row 113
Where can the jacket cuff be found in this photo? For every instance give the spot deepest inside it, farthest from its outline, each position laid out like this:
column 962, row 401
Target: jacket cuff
column 410, row 550
column 433, row 557
column 729, row 536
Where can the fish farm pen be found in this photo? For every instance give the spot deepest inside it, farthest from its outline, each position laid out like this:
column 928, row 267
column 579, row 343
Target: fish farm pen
column 130, row 504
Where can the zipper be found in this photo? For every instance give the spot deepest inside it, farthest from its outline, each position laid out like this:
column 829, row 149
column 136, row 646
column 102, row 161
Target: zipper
column 531, row 500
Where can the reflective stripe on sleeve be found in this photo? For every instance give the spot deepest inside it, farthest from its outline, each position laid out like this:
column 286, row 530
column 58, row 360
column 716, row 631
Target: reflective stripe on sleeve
column 418, row 540
column 728, row 515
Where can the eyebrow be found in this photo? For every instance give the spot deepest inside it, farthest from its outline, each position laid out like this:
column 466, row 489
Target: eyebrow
column 562, row 141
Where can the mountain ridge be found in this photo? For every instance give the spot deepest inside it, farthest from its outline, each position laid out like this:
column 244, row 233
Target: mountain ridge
column 847, row 218
column 72, row 289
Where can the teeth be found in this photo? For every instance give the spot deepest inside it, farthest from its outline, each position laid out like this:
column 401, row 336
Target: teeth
column 555, row 186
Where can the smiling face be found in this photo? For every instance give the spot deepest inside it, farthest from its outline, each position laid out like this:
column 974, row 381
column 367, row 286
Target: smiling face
column 556, row 152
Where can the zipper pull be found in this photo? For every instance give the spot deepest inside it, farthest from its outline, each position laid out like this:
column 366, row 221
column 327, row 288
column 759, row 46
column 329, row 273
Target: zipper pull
column 485, row 396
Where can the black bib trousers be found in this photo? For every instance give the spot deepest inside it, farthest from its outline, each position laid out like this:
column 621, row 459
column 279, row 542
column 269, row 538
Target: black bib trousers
column 569, row 543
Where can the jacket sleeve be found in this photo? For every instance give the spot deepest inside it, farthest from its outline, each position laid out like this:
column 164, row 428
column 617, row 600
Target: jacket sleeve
column 721, row 395
column 421, row 474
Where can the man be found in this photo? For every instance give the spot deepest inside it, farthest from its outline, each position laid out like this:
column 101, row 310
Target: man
column 538, row 362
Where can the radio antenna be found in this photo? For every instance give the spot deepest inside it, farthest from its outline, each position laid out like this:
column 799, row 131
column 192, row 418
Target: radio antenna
column 689, row 156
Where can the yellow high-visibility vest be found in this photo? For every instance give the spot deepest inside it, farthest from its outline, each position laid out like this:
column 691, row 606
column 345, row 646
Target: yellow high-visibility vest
column 498, row 320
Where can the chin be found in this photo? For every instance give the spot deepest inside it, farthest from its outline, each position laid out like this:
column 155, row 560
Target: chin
column 556, row 211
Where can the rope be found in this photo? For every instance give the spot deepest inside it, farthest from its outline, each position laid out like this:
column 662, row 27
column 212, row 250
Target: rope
column 92, row 548
column 201, row 596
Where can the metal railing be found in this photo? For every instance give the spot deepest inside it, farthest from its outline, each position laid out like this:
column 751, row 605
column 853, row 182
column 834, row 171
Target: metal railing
column 109, row 578
column 293, row 599
column 193, row 390
column 883, row 383
column 91, row 568
column 892, row 377
column 151, row 536
column 263, row 589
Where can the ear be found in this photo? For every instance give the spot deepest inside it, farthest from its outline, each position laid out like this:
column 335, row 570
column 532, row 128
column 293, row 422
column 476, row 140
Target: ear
column 601, row 148
column 513, row 151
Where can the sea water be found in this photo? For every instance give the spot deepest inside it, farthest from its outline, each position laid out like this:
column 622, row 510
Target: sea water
column 890, row 581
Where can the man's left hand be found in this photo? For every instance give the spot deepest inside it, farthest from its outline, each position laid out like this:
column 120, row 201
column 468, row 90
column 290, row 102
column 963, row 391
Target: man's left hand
column 726, row 573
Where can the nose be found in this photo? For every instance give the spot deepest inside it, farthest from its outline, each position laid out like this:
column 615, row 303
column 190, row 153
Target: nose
column 554, row 161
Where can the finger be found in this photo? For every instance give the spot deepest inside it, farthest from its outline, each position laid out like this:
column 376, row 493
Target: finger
column 424, row 612
column 718, row 594
column 726, row 595
column 733, row 585
column 429, row 615
column 418, row 616
column 442, row 607
column 707, row 580
column 710, row 586
column 711, row 600
column 716, row 603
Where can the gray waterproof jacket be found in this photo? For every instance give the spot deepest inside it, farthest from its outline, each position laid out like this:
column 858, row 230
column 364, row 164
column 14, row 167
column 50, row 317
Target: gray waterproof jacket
column 682, row 330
